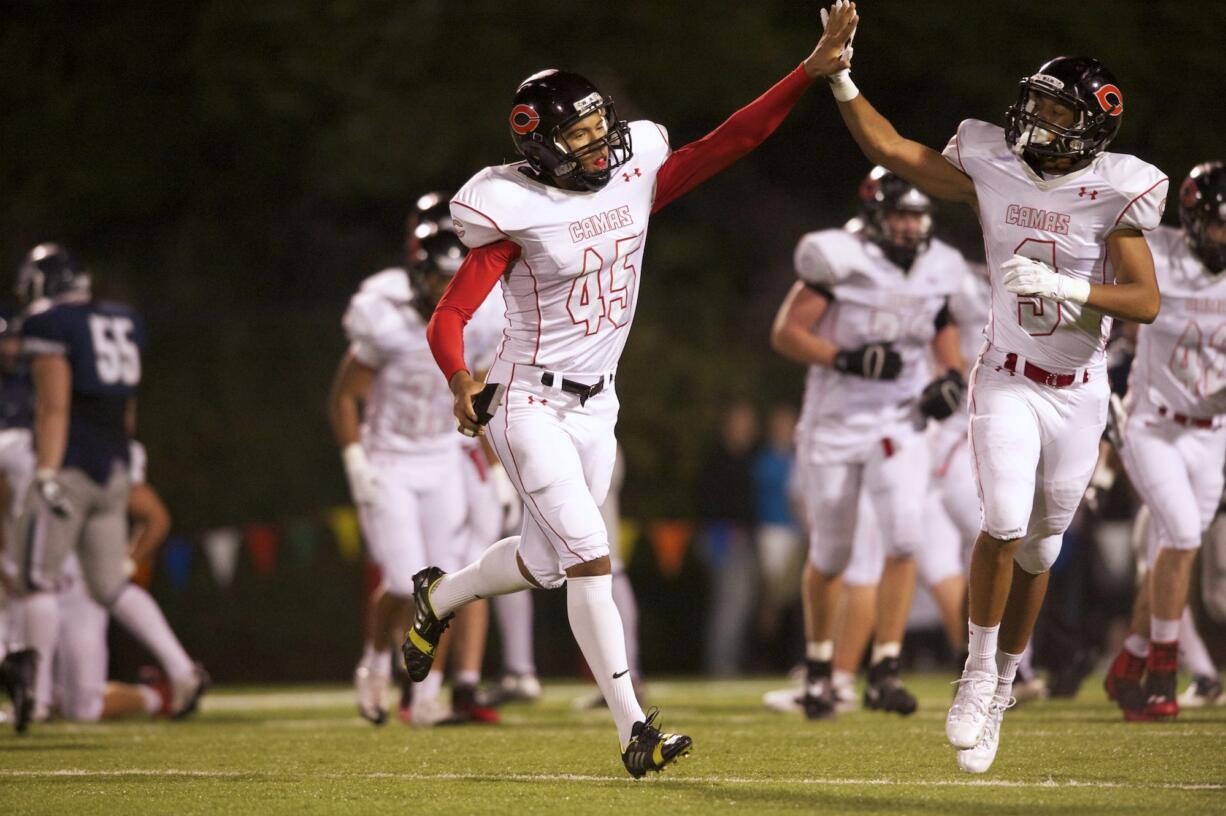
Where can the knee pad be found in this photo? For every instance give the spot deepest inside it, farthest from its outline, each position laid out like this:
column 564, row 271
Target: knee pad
column 1036, row 555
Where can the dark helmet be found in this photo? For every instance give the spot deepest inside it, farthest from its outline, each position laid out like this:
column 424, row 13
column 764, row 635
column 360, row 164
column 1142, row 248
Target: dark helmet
column 1081, row 83
column 545, row 106
column 49, row 270
column 882, row 192
column 1202, row 203
column 435, row 252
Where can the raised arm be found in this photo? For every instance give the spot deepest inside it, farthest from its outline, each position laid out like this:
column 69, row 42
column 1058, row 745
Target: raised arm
column 742, row 132
column 921, row 165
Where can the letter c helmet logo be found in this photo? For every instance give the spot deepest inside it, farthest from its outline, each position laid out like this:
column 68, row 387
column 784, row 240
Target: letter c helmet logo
column 1111, row 99
column 524, row 119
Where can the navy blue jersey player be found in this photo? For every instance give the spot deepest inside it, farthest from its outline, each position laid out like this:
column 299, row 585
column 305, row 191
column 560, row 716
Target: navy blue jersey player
column 85, row 359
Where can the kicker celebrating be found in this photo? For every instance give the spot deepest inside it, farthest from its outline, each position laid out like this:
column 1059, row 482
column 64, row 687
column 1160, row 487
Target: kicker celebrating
column 564, row 231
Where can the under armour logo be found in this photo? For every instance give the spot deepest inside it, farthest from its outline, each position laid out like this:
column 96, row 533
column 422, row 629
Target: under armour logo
column 1093, row 194
column 533, row 400
column 637, row 172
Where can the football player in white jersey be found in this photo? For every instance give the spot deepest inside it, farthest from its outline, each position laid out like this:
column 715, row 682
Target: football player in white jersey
column 402, row 458
column 1174, row 440
column 564, row 232
column 1063, row 223
column 866, row 308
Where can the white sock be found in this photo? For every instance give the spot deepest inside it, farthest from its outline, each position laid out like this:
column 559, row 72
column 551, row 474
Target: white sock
column 429, row 688
column 982, row 648
column 41, row 614
column 153, row 700
column 467, row 677
column 1006, row 671
column 843, row 679
column 368, row 655
column 496, row 572
column 882, row 651
column 1192, row 652
column 628, row 608
column 598, row 631
column 819, row 650
column 1163, row 631
column 1137, row 645
column 514, row 613
column 381, row 662
column 136, row 610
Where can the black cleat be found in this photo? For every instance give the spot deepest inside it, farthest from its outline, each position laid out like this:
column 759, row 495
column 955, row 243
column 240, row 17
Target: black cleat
column 885, row 692
column 427, row 627
column 186, row 699
column 819, row 699
column 17, row 678
column 651, row 751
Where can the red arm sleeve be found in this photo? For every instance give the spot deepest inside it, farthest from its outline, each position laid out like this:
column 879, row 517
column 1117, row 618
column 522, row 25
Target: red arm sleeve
column 744, row 130
column 478, row 275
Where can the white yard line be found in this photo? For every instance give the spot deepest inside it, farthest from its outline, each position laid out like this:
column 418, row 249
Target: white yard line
column 661, row 780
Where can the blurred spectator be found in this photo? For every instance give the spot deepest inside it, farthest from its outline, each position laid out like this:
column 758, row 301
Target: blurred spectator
column 726, row 517
column 781, row 549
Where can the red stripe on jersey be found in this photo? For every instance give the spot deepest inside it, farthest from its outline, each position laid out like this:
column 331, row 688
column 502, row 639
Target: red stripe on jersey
column 536, row 295
column 740, row 133
column 483, row 215
column 469, row 288
column 1138, row 198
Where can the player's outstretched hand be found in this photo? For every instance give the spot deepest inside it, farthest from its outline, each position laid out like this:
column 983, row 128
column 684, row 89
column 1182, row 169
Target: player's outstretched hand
column 1026, row 276
column 463, row 389
column 833, row 51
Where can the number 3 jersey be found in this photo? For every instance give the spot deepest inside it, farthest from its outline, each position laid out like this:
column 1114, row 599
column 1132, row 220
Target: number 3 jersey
column 408, row 409
column 1062, row 221
column 102, row 343
column 571, row 294
column 872, row 300
column 1181, row 357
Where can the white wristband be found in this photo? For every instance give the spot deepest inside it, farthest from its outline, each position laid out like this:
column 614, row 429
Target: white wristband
column 353, row 456
column 45, row 474
column 842, row 87
column 1075, row 290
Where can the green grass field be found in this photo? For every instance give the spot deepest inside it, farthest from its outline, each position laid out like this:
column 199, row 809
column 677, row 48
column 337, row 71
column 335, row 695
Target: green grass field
column 304, row 750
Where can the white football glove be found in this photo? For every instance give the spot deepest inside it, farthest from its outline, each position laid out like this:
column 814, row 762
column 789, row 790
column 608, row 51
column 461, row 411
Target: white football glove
column 363, row 478
column 508, row 499
column 847, row 50
column 1026, row 276
column 52, row 493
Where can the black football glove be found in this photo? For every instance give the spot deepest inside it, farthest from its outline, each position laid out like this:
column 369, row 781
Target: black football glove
column 943, row 396
column 875, row 361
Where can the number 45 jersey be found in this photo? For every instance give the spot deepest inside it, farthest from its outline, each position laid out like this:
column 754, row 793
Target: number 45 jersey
column 572, row 293
column 102, row 343
column 1181, row 357
column 1062, row 221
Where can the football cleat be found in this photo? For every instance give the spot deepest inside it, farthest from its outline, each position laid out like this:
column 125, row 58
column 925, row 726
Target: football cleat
column 1123, row 685
column 371, row 689
column 1161, row 669
column 1029, row 688
column 819, row 700
column 466, row 709
column 978, row 758
column 884, row 690
column 969, row 713
column 185, row 694
column 426, row 712
column 428, row 628
column 17, row 679
column 649, row 750
column 1202, row 692
column 513, row 688
column 785, row 701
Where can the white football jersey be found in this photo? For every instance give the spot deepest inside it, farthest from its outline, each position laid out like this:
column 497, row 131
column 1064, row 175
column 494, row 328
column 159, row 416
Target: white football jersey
column 1181, row 357
column 408, row 409
column 571, row 294
column 971, row 307
column 1063, row 221
column 484, row 333
column 874, row 301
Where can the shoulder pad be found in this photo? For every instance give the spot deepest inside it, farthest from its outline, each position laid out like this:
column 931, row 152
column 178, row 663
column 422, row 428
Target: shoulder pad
column 1141, row 186
column 650, row 142
column 821, row 258
column 974, row 139
column 491, row 207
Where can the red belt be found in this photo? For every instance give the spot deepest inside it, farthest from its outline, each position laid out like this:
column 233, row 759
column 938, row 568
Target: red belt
column 1041, row 375
column 1184, row 419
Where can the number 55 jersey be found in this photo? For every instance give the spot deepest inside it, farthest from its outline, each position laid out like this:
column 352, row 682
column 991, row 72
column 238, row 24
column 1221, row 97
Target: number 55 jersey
column 102, row 343
column 1062, row 221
